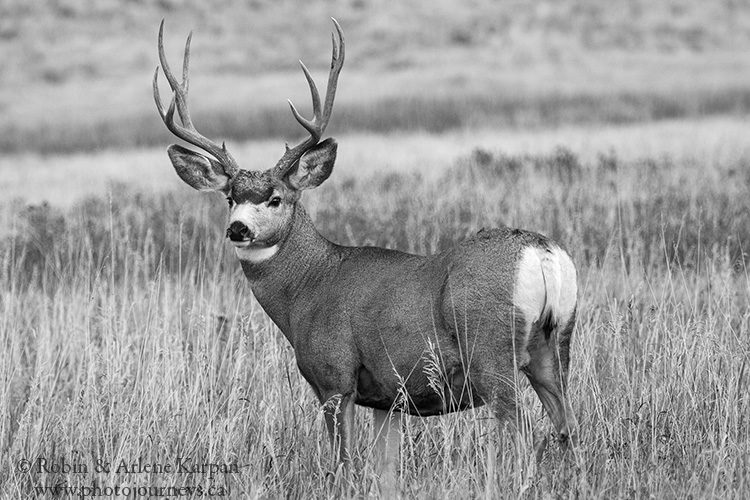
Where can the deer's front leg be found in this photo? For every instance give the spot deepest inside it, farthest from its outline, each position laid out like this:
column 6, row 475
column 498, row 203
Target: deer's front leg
column 339, row 416
column 387, row 437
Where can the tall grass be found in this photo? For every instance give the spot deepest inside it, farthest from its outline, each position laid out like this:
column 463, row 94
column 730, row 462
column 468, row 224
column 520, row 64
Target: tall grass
column 128, row 332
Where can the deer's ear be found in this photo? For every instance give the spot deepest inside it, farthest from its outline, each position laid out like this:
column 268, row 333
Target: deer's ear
column 198, row 171
column 314, row 167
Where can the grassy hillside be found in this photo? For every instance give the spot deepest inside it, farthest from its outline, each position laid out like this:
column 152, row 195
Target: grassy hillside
column 134, row 335
column 76, row 75
column 64, row 40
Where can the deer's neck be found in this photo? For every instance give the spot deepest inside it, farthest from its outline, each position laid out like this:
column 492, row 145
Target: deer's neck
column 295, row 269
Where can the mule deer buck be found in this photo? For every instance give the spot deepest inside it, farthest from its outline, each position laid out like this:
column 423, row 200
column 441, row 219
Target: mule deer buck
column 361, row 320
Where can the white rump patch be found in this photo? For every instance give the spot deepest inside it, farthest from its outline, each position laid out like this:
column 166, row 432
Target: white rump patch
column 545, row 284
column 568, row 298
column 530, row 294
column 255, row 254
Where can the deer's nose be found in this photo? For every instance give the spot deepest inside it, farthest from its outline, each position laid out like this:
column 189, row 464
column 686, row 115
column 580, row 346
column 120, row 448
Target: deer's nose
column 237, row 231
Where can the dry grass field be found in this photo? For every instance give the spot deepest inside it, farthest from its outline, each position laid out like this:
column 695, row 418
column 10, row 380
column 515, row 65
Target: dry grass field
column 128, row 332
column 134, row 335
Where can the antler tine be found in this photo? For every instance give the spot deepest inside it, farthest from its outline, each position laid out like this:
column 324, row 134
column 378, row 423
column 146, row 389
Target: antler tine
column 186, row 131
column 313, row 125
column 337, row 62
column 157, row 97
column 313, row 89
column 309, row 126
column 186, row 63
column 320, row 119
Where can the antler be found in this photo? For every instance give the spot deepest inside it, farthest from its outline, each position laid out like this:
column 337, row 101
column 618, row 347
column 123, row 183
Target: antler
column 186, row 131
column 317, row 125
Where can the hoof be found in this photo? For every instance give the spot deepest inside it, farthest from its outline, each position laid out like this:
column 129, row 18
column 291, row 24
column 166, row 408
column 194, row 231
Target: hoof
column 540, row 446
column 567, row 439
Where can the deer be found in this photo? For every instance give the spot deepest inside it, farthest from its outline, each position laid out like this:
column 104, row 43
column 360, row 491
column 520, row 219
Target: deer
column 362, row 319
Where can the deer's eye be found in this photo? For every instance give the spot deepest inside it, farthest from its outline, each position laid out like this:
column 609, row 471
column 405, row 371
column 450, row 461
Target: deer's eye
column 275, row 201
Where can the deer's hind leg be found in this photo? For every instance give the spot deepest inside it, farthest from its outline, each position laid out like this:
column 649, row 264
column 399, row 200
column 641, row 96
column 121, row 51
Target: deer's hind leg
column 547, row 370
column 495, row 365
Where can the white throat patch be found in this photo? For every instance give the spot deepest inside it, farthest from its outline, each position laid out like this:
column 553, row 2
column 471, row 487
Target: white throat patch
column 254, row 254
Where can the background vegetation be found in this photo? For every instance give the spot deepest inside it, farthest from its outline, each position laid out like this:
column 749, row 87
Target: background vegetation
column 76, row 74
column 127, row 330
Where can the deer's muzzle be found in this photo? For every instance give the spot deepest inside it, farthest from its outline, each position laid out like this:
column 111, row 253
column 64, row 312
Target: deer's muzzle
column 237, row 231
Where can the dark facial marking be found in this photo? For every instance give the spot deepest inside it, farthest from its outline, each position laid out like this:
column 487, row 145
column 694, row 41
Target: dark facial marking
column 253, row 187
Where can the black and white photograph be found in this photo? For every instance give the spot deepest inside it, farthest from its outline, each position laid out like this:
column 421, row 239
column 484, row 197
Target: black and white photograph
column 373, row 249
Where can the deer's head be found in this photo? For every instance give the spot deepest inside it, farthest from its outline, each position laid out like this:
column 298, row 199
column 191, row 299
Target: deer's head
column 261, row 203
